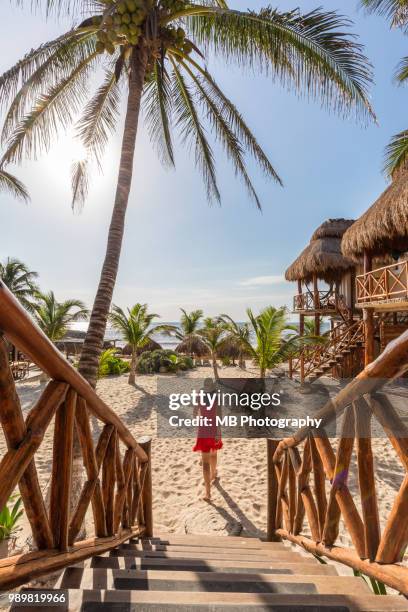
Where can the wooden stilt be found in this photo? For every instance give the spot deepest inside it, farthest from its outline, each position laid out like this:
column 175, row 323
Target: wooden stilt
column 272, row 491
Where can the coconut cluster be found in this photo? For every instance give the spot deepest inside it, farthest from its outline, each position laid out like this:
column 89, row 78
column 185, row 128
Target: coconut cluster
column 123, row 24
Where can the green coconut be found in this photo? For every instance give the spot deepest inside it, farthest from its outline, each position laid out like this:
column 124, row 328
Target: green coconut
column 126, row 18
column 122, row 8
column 131, row 5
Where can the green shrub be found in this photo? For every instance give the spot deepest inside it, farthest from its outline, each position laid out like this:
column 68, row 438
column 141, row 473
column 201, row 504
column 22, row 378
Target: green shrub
column 9, row 519
column 151, row 362
column 111, row 364
column 226, row 361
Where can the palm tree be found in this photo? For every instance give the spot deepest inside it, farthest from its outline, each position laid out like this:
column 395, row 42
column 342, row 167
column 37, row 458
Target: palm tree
column 12, row 185
column 55, row 317
column 188, row 334
column 20, row 280
column 275, row 340
column 238, row 334
column 396, row 153
column 213, row 335
column 135, row 325
column 157, row 52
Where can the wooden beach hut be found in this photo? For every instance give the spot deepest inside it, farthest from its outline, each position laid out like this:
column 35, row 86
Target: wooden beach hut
column 325, row 280
column 379, row 241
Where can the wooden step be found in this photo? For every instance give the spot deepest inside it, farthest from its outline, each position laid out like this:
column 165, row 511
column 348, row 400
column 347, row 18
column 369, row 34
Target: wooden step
column 93, row 600
column 277, row 567
column 207, row 540
column 248, row 552
column 217, row 554
column 80, row 578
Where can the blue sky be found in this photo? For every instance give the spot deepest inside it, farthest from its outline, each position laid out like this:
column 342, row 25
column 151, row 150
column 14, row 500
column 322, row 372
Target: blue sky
column 178, row 251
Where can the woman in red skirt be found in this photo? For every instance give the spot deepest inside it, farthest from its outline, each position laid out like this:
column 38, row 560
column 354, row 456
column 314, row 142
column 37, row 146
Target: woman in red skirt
column 208, row 440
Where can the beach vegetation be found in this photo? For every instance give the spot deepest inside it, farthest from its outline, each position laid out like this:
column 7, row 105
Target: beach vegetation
column 163, row 360
column 271, row 340
column 9, row 517
column 55, row 318
column 135, row 326
column 213, row 334
column 156, row 55
column 111, row 364
column 20, row 280
column 237, row 339
column 187, row 333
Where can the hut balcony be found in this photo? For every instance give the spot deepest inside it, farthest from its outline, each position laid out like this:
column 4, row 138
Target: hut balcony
column 384, row 289
column 320, row 302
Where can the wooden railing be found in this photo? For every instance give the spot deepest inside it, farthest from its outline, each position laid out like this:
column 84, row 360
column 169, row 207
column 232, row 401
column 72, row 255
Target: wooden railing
column 121, row 498
column 389, row 283
column 308, row 492
column 343, row 337
column 306, row 302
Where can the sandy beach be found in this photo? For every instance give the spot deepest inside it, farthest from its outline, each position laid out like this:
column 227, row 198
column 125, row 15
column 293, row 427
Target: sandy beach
column 239, row 499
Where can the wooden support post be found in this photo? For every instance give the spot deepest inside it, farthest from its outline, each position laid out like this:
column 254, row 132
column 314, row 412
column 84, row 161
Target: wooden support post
column 15, row 430
column 147, row 495
column 395, row 535
column 366, row 478
column 272, row 492
column 316, row 301
column 108, row 482
column 368, row 317
column 92, row 488
column 62, row 470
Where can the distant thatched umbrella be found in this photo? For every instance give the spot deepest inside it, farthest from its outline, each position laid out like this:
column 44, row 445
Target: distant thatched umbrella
column 322, row 257
column 231, row 348
column 152, row 345
column 192, row 346
column 383, row 228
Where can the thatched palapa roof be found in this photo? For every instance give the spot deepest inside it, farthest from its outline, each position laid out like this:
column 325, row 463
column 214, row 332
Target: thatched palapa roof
column 323, row 256
column 192, row 346
column 151, row 345
column 383, row 229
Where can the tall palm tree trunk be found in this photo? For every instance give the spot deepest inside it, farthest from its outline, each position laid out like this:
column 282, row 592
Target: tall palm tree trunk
column 93, row 345
column 215, row 365
column 133, row 366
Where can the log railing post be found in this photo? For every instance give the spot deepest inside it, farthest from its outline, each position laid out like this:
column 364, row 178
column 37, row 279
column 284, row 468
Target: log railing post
column 147, row 495
column 272, row 493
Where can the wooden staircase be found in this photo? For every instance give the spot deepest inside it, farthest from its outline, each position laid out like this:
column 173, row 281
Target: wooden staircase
column 186, row 572
column 314, row 362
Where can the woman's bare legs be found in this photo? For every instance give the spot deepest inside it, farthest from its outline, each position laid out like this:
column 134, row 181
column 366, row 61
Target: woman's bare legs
column 206, row 461
column 213, row 463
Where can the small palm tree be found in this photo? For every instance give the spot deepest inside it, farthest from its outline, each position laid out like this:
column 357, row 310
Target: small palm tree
column 54, row 318
column 20, row 280
column 237, row 333
column 213, row 334
column 188, row 332
column 275, row 340
column 396, row 153
column 155, row 53
column 135, row 325
column 12, row 185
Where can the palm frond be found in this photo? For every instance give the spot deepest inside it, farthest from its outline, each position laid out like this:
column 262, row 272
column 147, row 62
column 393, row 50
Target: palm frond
column 191, row 129
column 62, row 7
column 45, row 70
column 309, row 52
column 53, row 110
column 223, row 131
column 396, row 11
column 396, row 153
column 157, row 112
column 100, row 116
column 12, row 185
column 237, row 123
column 79, row 183
column 401, row 74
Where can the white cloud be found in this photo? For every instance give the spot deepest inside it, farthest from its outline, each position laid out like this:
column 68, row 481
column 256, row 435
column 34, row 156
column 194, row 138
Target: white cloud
column 258, row 281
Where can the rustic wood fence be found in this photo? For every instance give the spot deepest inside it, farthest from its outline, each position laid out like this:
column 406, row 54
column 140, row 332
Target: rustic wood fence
column 308, row 493
column 117, row 468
